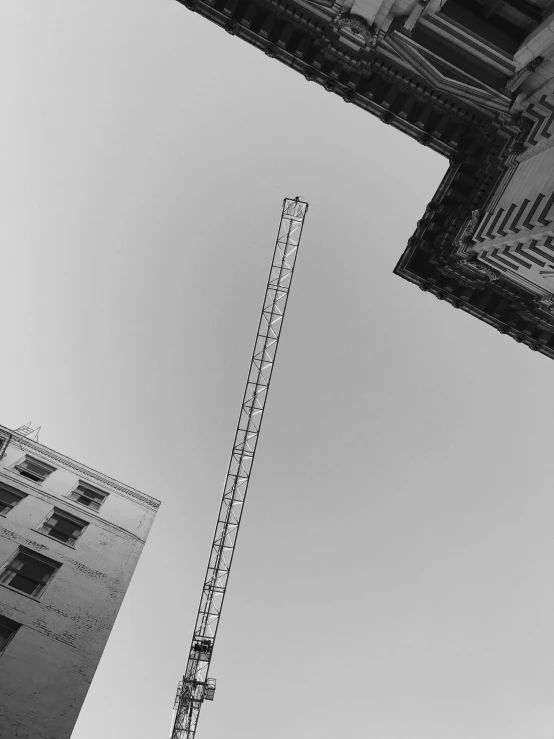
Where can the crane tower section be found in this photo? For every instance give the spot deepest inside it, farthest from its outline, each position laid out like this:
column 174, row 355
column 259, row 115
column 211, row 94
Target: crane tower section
column 196, row 686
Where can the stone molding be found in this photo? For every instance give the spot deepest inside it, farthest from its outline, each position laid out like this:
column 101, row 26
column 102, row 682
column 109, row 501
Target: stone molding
column 85, row 473
column 482, row 96
column 28, row 488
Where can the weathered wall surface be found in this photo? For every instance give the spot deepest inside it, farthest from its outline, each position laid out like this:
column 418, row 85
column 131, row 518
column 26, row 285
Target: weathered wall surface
column 46, row 669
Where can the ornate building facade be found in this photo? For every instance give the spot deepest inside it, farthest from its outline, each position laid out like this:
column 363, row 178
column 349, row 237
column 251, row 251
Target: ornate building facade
column 471, row 79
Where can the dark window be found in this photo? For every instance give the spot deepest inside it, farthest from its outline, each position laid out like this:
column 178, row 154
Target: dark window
column 495, row 29
column 458, row 57
column 9, row 498
column 28, row 572
column 63, row 527
column 8, row 629
column 89, row 496
column 33, row 469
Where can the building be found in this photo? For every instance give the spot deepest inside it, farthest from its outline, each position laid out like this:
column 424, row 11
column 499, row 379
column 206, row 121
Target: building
column 70, row 539
column 471, row 79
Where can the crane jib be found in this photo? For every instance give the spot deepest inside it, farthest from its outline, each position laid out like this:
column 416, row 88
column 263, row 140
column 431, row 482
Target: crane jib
column 196, row 686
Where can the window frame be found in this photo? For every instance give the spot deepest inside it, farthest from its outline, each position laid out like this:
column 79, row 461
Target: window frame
column 462, row 61
column 10, row 624
column 93, row 506
column 34, row 460
column 59, row 513
column 456, row 33
column 508, row 37
column 13, row 491
column 40, row 585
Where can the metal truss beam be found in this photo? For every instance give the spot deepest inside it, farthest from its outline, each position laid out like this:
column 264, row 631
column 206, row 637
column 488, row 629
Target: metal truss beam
column 196, row 686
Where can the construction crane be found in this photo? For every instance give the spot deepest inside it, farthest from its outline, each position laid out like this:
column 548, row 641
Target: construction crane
column 196, row 686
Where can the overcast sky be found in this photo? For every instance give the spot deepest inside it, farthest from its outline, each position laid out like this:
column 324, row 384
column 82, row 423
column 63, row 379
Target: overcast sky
column 394, row 574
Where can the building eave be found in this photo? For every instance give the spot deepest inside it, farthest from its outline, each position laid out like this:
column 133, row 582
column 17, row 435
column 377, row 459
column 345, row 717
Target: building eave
column 478, row 141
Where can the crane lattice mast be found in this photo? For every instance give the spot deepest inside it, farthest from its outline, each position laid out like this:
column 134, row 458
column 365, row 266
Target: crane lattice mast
column 196, row 686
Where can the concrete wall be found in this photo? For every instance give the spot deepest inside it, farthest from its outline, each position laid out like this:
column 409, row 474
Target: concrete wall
column 46, row 669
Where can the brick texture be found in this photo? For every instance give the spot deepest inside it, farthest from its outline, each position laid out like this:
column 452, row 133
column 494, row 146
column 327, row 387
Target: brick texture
column 47, row 667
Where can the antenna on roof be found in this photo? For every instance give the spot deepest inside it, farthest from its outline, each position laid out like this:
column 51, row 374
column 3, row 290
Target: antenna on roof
column 28, row 431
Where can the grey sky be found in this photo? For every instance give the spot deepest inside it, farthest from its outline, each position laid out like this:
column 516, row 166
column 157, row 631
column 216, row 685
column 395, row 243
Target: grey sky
column 394, row 574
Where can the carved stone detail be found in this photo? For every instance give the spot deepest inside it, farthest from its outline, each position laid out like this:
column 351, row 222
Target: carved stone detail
column 87, row 474
column 523, row 124
column 464, row 239
column 489, row 273
column 357, row 25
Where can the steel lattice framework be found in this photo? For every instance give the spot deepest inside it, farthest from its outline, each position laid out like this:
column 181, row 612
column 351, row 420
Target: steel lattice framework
column 196, row 686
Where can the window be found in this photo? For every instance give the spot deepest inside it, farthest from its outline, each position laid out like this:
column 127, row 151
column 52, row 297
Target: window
column 89, row 496
column 458, row 58
column 9, row 498
column 63, row 527
column 8, row 629
column 482, row 19
column 28, row 572
column 33, row 469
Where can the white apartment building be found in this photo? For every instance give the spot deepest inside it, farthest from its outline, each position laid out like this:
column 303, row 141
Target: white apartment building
column 70, row 539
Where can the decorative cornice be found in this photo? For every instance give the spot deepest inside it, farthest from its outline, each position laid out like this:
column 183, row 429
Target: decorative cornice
column 16, row 482
column 318, row 31
column 477, row 132
column 481, row 269
column 85, row 473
